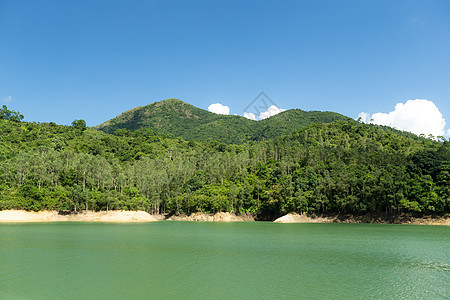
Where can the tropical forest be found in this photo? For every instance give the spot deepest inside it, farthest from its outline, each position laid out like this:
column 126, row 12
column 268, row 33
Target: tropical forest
column 172, row 158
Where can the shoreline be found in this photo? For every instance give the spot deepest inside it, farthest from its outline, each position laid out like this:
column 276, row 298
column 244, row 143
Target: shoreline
column 113, row 216
column 217, row 217
column 370, row 218
column 22, row 216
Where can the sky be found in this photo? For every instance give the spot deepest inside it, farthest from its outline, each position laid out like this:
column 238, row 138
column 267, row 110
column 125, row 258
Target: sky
column 92, row 60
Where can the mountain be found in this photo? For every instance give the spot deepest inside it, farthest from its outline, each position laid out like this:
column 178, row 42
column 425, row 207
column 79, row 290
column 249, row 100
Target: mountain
column 180, row 119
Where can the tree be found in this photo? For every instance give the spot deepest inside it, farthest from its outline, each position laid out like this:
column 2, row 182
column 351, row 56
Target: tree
column 79, row 124
column 7, row 114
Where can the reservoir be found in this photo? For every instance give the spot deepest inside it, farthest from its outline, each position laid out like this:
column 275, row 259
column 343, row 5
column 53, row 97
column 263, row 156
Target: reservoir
column 205, row 260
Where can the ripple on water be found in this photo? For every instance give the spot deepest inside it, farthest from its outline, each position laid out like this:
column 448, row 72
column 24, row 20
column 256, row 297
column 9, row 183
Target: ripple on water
column 208, row 260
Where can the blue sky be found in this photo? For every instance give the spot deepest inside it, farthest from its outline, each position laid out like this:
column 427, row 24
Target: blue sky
column 92, row 60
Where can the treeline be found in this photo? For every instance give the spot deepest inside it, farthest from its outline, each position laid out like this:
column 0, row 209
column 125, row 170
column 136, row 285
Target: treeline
column 339, row 167
column 6, row 114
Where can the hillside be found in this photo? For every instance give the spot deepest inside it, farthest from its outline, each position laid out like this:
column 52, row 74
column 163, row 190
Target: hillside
column 180, row 119
column 292, row 120
column 340, row 167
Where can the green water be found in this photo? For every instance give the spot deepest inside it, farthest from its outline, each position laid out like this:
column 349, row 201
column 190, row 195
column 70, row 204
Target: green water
column 225, row 261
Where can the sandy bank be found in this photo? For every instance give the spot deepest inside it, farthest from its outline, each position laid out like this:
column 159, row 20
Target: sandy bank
column 367, row 218
column 296, row 218
column 11, row 216
column 89, row 216
column 22, row 216
column 218, row 217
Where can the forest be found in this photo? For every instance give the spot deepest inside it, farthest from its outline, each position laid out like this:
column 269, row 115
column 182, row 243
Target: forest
column 338, row 167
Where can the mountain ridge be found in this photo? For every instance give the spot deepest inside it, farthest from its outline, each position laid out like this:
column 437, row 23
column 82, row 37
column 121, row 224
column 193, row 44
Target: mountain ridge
column 181, row 119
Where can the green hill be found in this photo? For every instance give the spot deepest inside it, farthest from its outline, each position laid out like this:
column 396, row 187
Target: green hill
column 340, row 167
column 180, row 119
column 292, row 120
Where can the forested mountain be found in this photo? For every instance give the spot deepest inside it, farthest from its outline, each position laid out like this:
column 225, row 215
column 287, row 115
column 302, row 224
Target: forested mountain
column 293, row 120
column 337, row 167
column 180, row 119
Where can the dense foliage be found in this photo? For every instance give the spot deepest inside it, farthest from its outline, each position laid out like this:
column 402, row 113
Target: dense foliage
column 338, row 167
column 183, row 120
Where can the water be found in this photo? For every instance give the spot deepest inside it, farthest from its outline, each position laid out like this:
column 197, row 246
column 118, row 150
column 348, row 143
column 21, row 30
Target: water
column 222, row 261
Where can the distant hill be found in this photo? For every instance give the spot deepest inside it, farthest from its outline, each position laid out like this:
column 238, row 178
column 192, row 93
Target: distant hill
column 293, row 120
column 180, row 119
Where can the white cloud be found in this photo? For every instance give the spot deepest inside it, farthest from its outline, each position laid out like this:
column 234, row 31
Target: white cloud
column 250, row 116
column 271, row 111
column 7, row 99
column 417, row 116
column 364, row 117
column 220, row 109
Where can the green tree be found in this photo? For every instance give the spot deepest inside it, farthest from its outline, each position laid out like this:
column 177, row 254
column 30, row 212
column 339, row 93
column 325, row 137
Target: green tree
column 7, row 114
column 79, row 124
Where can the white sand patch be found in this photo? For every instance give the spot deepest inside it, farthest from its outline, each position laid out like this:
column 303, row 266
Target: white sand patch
column 296, row 218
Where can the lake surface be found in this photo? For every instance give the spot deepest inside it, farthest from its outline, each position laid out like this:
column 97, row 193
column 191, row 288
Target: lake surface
column 254, row 260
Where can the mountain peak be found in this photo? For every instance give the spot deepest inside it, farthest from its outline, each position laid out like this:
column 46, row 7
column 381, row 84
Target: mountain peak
column 168, row 101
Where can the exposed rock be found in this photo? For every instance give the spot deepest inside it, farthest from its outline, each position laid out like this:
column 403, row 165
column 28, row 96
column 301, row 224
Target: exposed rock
column 228, row 217
column 380, row 218
column 218, row 217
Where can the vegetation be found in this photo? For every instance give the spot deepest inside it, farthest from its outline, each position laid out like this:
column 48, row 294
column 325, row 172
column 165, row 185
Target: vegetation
column 180, row 119
column 80, row 124
column 6, row 114
column 343, row 166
